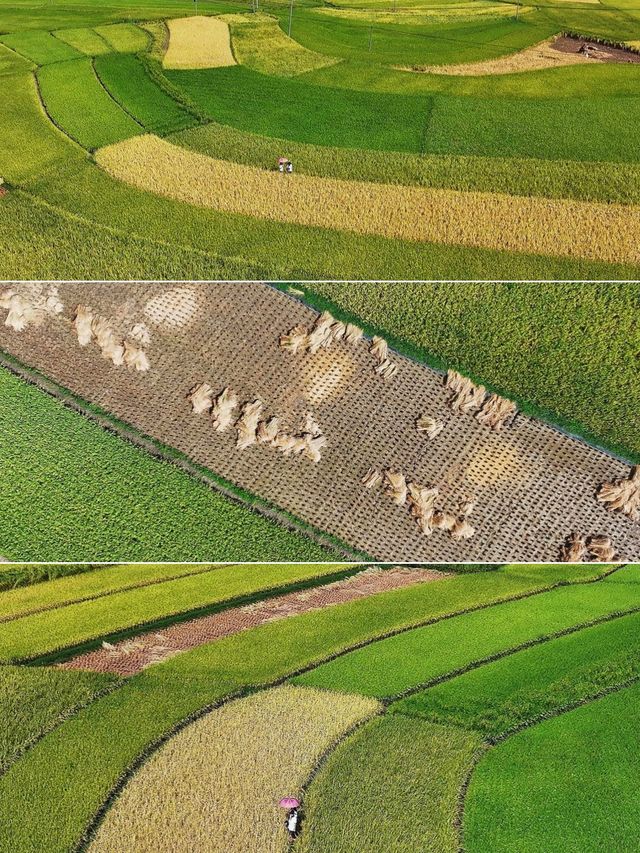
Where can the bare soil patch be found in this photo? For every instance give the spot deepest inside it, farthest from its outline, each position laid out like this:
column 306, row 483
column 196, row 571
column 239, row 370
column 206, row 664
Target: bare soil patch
column 131, row 656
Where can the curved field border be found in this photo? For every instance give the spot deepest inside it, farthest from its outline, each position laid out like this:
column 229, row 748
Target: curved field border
column 159, row 451
column 566, row 228
column 541, row 719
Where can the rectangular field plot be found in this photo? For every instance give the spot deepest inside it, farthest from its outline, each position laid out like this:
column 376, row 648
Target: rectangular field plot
column 39, row 46
column 126, row 79
column 125, row 38
column 79, row 105
column 85, row 40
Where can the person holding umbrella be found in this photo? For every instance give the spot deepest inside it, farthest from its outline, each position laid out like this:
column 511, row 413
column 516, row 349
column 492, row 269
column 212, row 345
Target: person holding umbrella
column 292, row 821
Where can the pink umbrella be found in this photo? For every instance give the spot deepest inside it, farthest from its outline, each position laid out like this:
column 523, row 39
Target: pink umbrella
column 282, row 161
column 289, row 803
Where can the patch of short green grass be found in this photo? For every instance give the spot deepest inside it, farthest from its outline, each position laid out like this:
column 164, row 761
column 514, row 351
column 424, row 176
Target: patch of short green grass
column 571, row 780
column 539, row 680
column 391, row 666
column 79, row 493
column 34, row 700
column 391, row 786
column 81, row 107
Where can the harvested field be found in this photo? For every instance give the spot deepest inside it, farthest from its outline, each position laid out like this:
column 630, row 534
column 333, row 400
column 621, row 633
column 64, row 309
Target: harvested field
column 130, row 656
column 544, row 486
column 198, row 42
column 551, row 53
column 216, row 785
column 608, row 232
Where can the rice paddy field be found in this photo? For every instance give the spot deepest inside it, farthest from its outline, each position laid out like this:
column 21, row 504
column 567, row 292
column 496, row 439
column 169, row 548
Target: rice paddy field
column 480, row 710
column 447, row 141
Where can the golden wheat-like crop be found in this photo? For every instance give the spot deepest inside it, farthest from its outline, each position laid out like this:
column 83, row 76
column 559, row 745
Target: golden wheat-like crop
column 608, row 232
column 198, row 42
column 216, row 785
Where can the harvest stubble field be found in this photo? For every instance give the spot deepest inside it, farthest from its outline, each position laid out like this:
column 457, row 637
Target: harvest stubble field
column 463, row 755
column 338, row 110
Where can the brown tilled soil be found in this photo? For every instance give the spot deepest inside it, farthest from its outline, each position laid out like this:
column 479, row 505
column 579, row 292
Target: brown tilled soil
column 532, row 484
column 130, row 656
column 602, row 52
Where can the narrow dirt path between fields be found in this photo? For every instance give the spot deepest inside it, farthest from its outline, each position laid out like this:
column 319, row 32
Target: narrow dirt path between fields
column 131, row 656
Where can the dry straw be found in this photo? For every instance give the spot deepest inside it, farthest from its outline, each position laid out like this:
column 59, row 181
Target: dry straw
column 608, row 232
column 198, row 42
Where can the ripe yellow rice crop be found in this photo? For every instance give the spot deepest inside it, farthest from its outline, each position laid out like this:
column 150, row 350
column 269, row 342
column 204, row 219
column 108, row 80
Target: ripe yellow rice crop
column 198, row 42
column 216, row 785
column 533, row 58
column 608, row 232
column 259, row 43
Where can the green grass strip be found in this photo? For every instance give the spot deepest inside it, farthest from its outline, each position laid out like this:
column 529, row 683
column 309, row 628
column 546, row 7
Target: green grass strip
column 126, row 79
column 536, row 681
column 33, row 701
column 21, row 575
column 40, row 46
column 100, row 581
column 573, row 777
column 615, row 182
column 398, row 664
column 125, row 505
column 47, row 632
column 392, row 786
column 48, row 799
column 81, row 107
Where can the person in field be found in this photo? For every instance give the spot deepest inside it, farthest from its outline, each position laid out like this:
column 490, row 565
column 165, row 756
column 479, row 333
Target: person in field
column 292, row 821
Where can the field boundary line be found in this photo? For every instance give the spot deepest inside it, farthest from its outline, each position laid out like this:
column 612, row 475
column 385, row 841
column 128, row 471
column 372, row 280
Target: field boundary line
column 66, row 715
column 64, row 653
column 153, row 70
column 528, row 644
column 69, row 602
column 422, row 356
column 159, row 451
column 490, row 743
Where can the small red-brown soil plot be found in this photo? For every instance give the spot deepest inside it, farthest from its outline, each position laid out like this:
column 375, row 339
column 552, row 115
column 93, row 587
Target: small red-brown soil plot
column 601, row 52
column 129, row 657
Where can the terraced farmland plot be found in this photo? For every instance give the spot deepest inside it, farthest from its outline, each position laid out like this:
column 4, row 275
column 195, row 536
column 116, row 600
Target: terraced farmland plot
column 81, row 107
column 40, row 47
column 85, row 40
column 125, row 38
column 533, row 486
column 198, row 43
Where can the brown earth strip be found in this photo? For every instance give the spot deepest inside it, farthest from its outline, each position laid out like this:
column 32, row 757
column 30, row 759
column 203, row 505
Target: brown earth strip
column 533, row 484
column 131, row 656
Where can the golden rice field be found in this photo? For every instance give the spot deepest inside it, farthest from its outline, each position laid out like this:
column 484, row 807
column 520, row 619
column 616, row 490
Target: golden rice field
column 198, row 42
column 216, row 785
column 534, row 58
column 597, row 231
column 259, row 43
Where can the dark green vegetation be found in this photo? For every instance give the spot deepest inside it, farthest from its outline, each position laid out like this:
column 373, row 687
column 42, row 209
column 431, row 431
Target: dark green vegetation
column 124, row 504
column 567, row 353
column 104, row 739
column 573, row 777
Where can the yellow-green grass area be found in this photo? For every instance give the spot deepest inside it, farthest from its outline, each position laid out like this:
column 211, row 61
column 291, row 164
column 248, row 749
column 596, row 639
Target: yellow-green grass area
column 410, row 660
column 260, row 44
column 85, row 40
column 198, row 43
column 17, row 575
column 39, row 46
column 67, row 473
column 618, row 182
column 159, row 32
column 81, row 585
column 49, row 797
column 501, row 696
column 88, row 622
column 392, row 786
column 12, row 63
column 216, row 785
column 77, row 103
column 36, row 145
column 566, row 354
column 569, row 781
column 34, row 700
column 125, row 38
column 590, row 230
